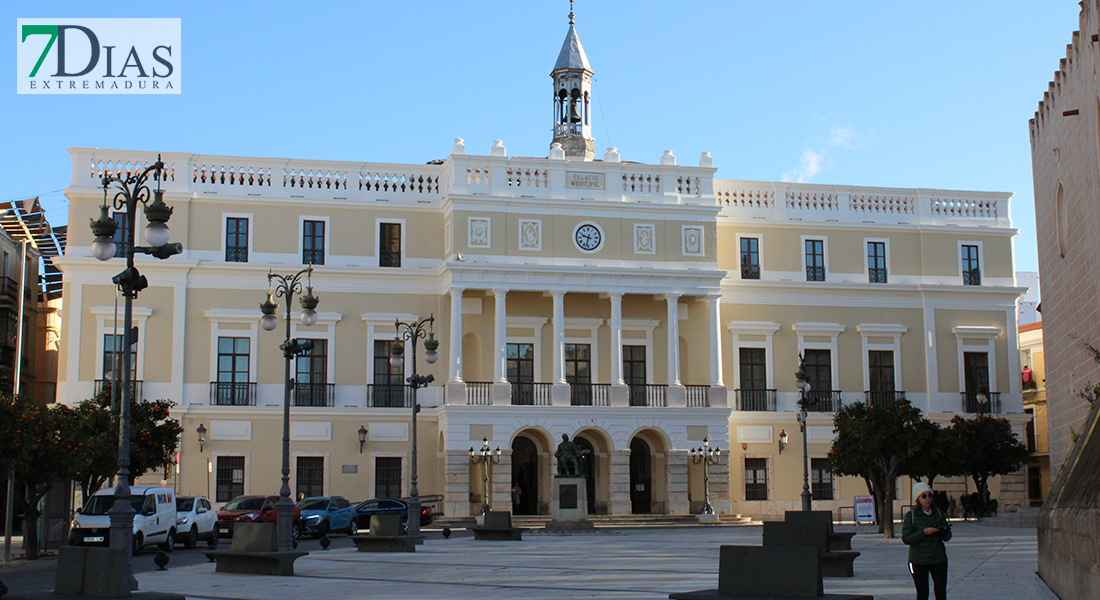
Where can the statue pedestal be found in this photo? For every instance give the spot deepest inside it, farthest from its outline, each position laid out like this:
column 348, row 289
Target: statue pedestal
column 569, row 504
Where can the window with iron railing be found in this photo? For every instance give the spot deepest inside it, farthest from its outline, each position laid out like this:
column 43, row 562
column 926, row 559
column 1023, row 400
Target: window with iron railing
column 229, row 478
column 971, row 268
column 521, row 372
column 578, row 373
column 821, row 480
column 233, row 371
column 313, row 242
column 750, row 258
column 236, row 239
column 756, row 479
column 310, row 480
column 123, row 222
column 387, row 477
column 389, row 244
column 815, row 260
column 876, row 262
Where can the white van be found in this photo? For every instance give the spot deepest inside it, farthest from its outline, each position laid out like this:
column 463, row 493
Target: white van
column 154, row 523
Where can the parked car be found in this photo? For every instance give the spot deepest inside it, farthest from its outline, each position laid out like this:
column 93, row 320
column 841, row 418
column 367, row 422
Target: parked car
column 253, row 509
column 323, row 514
column 154, row 523
column 195, row 520
column 389, row 506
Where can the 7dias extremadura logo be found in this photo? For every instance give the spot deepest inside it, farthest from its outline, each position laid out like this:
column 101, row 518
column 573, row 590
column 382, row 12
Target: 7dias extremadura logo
column 98, row 56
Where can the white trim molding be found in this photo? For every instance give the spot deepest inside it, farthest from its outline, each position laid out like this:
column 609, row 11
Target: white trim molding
column 755, row 329
column 378, row 238
column 479, row 232
column 251, row 226
column 105, row 324
column 532, row 325
column 881, row 330
column 379, row 326
column 978, row 338
column 824, row 239
column 830, row 330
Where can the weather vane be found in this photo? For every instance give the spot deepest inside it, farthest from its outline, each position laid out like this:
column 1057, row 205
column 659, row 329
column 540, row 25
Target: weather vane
column 570, row 12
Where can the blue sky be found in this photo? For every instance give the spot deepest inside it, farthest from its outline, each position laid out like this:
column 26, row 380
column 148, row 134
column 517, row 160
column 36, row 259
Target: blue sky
column 920, row 94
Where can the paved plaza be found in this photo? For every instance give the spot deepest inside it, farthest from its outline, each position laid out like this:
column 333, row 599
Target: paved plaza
column 643, row 563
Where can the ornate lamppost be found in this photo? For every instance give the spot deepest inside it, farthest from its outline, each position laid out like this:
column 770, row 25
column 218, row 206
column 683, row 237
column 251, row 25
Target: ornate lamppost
column 706, row 456
column 485, row 457
column 285, row 287
column 411, row 332
column 129, row 190
column 805, row 402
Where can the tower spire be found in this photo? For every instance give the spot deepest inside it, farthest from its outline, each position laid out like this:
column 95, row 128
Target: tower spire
column 570, row 12
column 572, row 93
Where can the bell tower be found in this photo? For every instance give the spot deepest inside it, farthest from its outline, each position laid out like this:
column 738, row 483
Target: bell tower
column 572, row 93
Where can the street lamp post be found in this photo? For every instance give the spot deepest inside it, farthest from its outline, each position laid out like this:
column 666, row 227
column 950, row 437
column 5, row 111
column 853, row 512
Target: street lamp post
column 485, row 457
column 286, row 286
column 804, row 405
column 706, row 456
column 411, row 332
column 129, row 190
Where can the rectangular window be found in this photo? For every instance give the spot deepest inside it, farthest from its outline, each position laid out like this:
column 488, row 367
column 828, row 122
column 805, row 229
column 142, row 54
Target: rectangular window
column 819, row 370
column 880, row 368
column 578, row 373
column 389, row 383
column 634, row 374
column 821, row 480
column 815, row 260
column 389, row 244
column 756, row 479
column 976, row 371
column 120, row 233
column 972, row 273
column 311, row 387
column 387, row 477
column 112, row 355
column 310, row 476
column 236, row 239
column 750, row 258
column 876, row 262
column 521, row 373
column 313, row 242
column 754, row 374
column 233, row 367
column 229, row 478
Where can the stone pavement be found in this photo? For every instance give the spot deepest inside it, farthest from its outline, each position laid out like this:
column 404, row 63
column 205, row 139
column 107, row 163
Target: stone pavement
column 642, row 563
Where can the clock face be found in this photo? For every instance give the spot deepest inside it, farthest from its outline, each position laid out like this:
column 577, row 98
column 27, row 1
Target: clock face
column 588, row 237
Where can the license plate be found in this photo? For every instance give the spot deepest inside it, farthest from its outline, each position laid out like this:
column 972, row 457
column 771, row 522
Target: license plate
column 224, row 530
column 94, row 538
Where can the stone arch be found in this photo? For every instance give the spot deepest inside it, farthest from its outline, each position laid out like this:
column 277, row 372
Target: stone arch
column 649, row 471
column 597, row 466
column 532, row 470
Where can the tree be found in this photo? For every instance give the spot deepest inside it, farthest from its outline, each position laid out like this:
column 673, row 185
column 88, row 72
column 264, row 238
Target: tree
column 940, row 458
column 987, row 447
column 879, row 444
column 42, row 446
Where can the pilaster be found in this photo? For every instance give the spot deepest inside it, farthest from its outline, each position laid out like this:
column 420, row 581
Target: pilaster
column 456, row 483
column 619, row 482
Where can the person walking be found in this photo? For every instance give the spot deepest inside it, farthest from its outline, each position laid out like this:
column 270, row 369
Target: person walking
column 924, row 529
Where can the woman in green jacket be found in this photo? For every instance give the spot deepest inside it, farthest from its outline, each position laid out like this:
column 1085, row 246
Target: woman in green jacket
column 924, row 530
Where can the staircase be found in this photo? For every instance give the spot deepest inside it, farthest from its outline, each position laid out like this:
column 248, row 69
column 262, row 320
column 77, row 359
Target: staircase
column 540, row 521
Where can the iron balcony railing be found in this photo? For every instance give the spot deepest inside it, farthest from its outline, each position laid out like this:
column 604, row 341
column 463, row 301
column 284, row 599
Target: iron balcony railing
column 135, row 387
column 755, row 400
column 232, row 393
column 876, row 275
column 815, row 273
column 389, row 258
column 314, row 394
column 479, row 393
column 236, row 254
column 531, row 394
column 750, row 271
column 390, row 395
column 9, row 289
column 698, row 396
column 823, row 400
column 883, row 399
column 648, row 394
column 981, row 402
column 972, row 277
column 313, row 257
column 589, row 394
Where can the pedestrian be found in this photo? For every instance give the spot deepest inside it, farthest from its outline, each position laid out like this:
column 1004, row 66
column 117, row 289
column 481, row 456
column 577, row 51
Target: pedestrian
column 517, row 494
column 924, row 529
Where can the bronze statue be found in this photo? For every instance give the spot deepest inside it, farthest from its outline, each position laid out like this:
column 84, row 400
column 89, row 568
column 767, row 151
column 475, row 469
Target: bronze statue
column 569, row 458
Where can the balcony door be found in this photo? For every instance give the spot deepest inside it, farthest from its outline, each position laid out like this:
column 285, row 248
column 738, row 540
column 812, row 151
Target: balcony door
column 578, row 373
column 389, row 384
column 311, row 380
column 634, row 373
column 521, row 373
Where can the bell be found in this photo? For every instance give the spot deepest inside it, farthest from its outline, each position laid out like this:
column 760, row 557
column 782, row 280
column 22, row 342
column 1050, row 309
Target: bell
column 573, row 116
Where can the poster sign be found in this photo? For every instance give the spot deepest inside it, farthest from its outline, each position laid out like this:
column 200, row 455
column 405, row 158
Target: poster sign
column 865, row 510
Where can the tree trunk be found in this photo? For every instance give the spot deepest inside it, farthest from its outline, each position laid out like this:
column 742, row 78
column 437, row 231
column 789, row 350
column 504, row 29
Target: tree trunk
column 888, row 509
column 30, row 522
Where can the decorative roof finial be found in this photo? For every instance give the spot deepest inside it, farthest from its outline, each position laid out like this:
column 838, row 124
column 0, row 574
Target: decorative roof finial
column 570, row 12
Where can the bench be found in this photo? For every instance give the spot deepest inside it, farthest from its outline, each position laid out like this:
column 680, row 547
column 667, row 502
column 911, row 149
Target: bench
column 254, row 552
column 497, row 527
column 768, row 573
column 834, row 563
column 387, row 534
column 837, row 540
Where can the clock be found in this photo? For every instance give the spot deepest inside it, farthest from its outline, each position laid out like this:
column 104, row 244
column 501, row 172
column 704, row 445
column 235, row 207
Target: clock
column 588, row 237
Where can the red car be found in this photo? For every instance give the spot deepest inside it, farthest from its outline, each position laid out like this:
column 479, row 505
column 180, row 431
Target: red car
column 253, row 509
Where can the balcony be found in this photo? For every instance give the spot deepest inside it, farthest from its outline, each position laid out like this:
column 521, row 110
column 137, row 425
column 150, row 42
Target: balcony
column 384, row 395
column 755, row 400
column 531, row 394
column 135, row 387
column 972, row 277
column 750, row 271
column 698, row 396
column 9, row 289
column 314, row 394
column 648, row 394
column 981, row 402
column 883, row 399
column 479, row 393
column 387, row 258
column 589, row 394
column 824, row 400
column 876, row 275
column 815, row 273
column 313, row 256
column 232, row 393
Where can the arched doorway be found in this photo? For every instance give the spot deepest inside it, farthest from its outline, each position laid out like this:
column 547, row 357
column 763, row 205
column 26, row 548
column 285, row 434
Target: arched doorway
column 641, row 477
column 525, row 476
column 589, row 464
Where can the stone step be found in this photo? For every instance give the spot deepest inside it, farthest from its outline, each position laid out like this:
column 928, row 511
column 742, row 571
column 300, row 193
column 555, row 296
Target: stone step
column 539, row 521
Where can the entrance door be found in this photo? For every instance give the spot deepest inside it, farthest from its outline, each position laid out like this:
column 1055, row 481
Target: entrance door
column 641, row 477
column 634, row 373
column 588, row 463
column 525, row 476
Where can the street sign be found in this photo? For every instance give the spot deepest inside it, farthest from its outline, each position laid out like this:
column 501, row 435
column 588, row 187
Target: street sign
column 865, row 510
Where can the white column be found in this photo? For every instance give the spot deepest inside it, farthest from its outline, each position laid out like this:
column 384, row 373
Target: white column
column 500, row 338
column 559, row 336
column 616, row 339
column 456, row 335
column 673, row 301
column 715, row 342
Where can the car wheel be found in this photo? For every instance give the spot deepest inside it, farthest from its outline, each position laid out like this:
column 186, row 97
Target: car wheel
column 296, row 530
column 138, row 543
column 214, row 535
column 192, row 538
column 169, row 542
column 353, row 528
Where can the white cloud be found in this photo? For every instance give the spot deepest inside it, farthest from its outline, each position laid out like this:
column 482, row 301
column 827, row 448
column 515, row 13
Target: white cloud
column 808, row 165
column 818, row 157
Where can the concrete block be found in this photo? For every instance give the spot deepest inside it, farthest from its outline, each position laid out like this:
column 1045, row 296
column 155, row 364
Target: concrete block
column 498, row 519
column 92, row 571
column 778, row 571
column 254, row 537
column 386, row 525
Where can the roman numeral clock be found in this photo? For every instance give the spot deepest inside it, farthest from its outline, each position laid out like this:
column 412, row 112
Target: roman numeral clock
column 588, row 237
